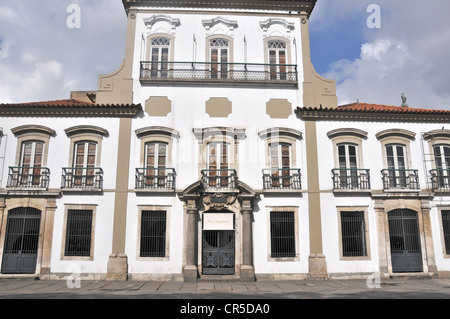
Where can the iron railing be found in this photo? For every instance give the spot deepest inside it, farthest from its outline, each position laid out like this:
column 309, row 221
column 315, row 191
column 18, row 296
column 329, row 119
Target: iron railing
column 282, row 178
column 219, row 179
column 400, row 179
column 28, row 177
column 82, row 178
column 235, row 72
column 155, row 178
column 351, row 179
column 440, row 179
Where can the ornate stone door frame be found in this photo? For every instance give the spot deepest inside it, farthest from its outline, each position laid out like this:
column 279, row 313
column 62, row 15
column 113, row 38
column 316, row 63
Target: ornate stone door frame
column 197, row 201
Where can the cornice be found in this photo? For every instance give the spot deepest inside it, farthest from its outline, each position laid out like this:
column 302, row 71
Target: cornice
column 94, row 110
column 336, row 114
column 306, row 6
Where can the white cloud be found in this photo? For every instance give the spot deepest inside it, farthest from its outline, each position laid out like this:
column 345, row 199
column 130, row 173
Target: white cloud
column 409, row 53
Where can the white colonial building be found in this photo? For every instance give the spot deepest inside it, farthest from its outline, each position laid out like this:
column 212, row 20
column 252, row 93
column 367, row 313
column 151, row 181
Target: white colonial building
column 216, row 151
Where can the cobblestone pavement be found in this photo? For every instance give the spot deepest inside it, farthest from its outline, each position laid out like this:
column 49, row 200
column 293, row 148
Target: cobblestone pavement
column 324, row 289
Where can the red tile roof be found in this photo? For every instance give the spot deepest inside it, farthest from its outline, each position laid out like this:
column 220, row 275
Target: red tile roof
column 367, row 107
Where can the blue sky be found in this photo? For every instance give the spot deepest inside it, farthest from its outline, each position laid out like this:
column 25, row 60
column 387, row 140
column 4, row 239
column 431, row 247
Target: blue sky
column 42, row 59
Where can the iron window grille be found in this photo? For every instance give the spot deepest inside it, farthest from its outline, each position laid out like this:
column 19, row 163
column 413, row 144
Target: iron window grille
column 446, row 229
column 351, row 179
column 440, row 179
column 282, row 234
column 282, row 178
column 402, row 179
column 353, row 234
column 219, row 179
column 155, row 178
column 234, row 72
column 82, row 178
column 78, row 233
column 153, row 234
column 28, row 177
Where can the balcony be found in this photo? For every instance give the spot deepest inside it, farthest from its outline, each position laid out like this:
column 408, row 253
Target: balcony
column 36, row 178
column 400, row 179
column 351, row 179
column 281, row 179
column 155, row 179
column 246, row 73
column 82, row 178
column 219, row 180
column 440, row 179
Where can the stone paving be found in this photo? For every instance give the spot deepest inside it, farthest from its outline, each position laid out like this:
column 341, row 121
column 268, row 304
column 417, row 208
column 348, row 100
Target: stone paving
column 386, row 288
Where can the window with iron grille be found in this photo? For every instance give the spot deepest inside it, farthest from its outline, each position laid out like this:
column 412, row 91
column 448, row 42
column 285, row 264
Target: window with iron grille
column 446, row 229
column 282, row 234
column 78, row 233
column 353, row 234
column 153, row 234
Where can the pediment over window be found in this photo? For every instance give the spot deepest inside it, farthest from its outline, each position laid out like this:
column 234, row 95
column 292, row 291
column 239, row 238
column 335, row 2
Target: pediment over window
column 83, row 129
column 202, row 133
column 230, row 24
column 280, row 131
column 151, row 21
column 396, row 133
column 157, row 130
column 24, row 129
column 436, row 134
column 347, row 132
column 265, row 25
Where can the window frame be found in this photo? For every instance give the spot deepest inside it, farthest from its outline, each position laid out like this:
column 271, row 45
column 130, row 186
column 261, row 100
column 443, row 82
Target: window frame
column 70, row 207
column 283, row 209
column 153, row 208
column 442, row 209
column 350, row 209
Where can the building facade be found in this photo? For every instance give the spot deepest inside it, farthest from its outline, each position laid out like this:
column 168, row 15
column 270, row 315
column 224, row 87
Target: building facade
column 216, row 151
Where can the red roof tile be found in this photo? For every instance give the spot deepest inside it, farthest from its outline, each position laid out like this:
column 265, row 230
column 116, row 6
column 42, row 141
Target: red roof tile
column 367, row 107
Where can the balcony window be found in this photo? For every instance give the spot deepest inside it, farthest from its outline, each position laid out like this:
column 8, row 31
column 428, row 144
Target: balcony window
column 440, row 176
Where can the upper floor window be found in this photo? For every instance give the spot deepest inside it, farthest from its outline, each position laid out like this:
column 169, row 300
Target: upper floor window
column 159, row 56
column 84, row 171
column 154, row 170
column 277, row 51
column 442, row 156
column 219, row 54
column 31, row 157
column 349, row 173
column 398, row 174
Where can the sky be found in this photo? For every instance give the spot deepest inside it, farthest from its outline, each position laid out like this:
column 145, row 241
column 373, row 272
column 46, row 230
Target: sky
column 408, row 50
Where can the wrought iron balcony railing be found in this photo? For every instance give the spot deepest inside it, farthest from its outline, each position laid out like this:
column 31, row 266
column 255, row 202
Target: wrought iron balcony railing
column 155, row 179
column 440, row 179
column 282, row 179
column 351, row 179
column 219, row 179
column 28, row 177
column 82, row 178
column 219, row 72
column 400, row 179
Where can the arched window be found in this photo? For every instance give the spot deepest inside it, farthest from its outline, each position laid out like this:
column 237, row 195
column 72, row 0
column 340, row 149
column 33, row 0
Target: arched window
column 277, row 51
column 159, row 56
column 219, row 57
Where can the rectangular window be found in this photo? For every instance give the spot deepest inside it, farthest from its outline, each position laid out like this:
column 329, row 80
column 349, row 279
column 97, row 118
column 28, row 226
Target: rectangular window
column 282, row 234
column 78, row 233
column 153, row 234
column 446, row 229
column 353, row 234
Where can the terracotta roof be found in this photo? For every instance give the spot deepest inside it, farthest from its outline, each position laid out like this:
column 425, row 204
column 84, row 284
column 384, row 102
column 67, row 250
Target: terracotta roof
column 374, row 112
column 67, row 107
column 367, row 107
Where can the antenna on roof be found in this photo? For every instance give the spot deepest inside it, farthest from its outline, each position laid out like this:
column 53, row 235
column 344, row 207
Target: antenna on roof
column 404, row 100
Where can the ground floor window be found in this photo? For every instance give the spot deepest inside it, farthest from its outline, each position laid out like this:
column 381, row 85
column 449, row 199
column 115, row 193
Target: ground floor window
column 153, row 234
column 446, row 229
column 282, row 234
column 353, row 234
column 78, row 233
